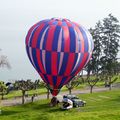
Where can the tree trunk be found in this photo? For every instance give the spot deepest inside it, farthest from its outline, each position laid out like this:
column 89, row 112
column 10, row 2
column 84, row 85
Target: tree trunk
column 91, row 89
column 106, row 83
column 110, row 84
column 110, row 87
column 48, row 94
column 70, row 91
column 2, row 97
column 23, row 97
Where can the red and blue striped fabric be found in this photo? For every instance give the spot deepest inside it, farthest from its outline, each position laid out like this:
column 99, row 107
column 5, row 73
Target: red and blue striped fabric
column 58, row 49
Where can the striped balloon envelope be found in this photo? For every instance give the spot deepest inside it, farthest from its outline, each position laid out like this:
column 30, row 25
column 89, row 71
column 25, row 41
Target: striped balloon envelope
column 58, row 49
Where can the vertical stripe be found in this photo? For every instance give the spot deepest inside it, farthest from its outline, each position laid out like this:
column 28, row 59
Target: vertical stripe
column 40, row 35
column 43, row 78
column 36, row 34
column 28, row 53
column 88, row 58
column 64, row 23
column 56, row 38
column 54, row 60
column 54, row 78
column 70, row 63
column 43, row 59
column 49, row 77
column 66, row 38
column 72, row 39
column 31, row 35
column 48, row 62
column 31, row 57
column 68, row 80
column 58, row 61
column 88, row 38
column 64, row 63
column 68, row 23
column 62, row 82
column 85, row 39
column 84, row 59
column 55, row 22
column 50, row 37
column 59, row 22
column 61, row 61
column 77, row 62
column 81, row 39
column 51, row 21
column 42, row 39
column 35, row 60
column 91, row 42
column 46, row 78
column 77, row 42
column 39, row 61
column 59, row 41
column 59, row 79
column 62, row 42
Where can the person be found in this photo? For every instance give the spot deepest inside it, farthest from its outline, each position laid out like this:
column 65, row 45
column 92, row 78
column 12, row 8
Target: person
column 54, row 101
column 32, row 98
column 67, row 104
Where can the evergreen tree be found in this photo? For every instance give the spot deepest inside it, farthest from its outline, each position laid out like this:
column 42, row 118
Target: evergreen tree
column 106, row 37
column 110, row 43
column 94, row 64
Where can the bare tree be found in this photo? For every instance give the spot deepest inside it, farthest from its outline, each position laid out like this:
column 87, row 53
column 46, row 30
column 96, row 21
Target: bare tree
column 109, row 79
column 73, row 83
column 48, row 90
column 4, row 61
column 3, row 89
column 24, row 86
column 92, row 80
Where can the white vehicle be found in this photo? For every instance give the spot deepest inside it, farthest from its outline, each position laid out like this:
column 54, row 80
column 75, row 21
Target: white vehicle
column 76, row 101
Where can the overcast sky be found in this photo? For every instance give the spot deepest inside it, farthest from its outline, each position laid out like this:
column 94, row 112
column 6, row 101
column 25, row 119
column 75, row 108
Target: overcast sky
column 17, row 16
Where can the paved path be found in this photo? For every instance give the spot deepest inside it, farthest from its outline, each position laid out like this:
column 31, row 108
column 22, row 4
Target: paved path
column 18, row 101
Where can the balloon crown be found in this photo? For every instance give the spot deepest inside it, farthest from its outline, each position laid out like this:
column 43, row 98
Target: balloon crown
column 60, row 19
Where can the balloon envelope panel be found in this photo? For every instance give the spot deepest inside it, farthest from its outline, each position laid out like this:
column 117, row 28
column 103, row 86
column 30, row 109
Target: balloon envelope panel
column 58, row 49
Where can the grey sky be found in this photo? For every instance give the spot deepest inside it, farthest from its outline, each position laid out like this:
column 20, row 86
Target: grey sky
column 17, row 16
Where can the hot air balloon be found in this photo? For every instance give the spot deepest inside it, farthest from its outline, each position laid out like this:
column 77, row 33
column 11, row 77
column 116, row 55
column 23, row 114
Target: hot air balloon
column 58, row 49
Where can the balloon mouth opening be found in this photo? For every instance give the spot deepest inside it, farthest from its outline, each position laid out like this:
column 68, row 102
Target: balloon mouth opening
column 54, row 92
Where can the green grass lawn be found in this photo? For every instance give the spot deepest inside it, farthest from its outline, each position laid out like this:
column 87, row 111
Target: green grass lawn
column 100, row 106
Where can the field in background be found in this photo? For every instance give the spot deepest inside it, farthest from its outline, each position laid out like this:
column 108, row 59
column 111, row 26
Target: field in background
column 40, row 91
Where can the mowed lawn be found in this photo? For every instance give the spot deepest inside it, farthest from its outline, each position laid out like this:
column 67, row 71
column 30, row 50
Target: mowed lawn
column 100, row 106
